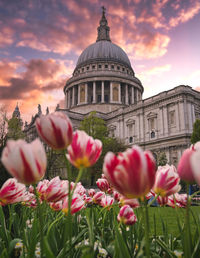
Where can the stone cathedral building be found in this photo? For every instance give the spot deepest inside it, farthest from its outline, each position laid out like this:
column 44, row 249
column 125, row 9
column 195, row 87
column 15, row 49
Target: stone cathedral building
column 104, row 81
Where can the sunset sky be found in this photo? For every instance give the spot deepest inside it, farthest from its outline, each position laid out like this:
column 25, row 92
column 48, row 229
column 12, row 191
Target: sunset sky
column 41, row 40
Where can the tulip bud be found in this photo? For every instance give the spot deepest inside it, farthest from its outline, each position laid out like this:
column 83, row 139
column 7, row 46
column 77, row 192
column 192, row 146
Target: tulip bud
column 55, row 129
column 126, row 215
column 25, row 161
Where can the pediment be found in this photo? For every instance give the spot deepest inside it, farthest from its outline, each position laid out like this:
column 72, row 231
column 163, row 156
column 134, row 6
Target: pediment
column 152, row 114
column 130, row 121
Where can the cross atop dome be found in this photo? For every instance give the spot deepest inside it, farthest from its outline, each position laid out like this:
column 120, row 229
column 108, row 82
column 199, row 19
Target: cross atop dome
column 103, row 29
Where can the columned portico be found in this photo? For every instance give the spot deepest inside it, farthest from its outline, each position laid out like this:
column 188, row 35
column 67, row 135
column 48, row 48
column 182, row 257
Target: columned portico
column 111, row 92
column 126, row 92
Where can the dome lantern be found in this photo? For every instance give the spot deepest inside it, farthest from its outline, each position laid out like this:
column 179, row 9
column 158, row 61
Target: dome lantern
column 103, row 29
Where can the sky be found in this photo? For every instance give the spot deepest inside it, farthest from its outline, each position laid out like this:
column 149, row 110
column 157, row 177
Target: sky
column 41, row 40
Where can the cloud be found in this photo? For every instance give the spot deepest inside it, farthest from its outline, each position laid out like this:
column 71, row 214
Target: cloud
column 41, row 81
column 148, row 74
column 6, row 35
column 185, row 15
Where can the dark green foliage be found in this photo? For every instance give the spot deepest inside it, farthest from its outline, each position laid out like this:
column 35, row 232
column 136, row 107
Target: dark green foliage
column 162, row 159
column 15, row 129
column 196, row 132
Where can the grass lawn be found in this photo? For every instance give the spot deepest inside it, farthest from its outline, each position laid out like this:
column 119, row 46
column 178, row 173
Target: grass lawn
column 168, row 217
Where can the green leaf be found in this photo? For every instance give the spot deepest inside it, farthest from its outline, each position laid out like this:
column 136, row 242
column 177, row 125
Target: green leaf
column 123, row 250
column 47, row 249
column 165, row 248
column 13, row 244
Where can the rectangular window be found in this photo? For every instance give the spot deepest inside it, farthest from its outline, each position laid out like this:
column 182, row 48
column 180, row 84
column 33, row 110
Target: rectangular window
column 172, row 121
column 106, row 66
column 99, row 66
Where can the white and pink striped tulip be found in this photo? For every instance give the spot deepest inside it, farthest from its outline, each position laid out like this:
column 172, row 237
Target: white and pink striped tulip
column 179, row 200
column 103, row 184
column 77, row 203
column 91, row 192
column 84, row 151
column 107, row 201
column 11, row 192
column 42, row 187
column 97, row 197
column 131, row 173
column 57, row 190
column 167, row 181
column 126, row 215
column 55, row 129
column 133, row 203
column 25, row 161
column 56, row 206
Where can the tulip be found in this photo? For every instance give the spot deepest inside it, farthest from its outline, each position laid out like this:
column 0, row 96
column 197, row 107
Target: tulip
column 133, row 203
column 25, row 161
column 77, row 204
column 84, row 151
column 56, row 206
column 11, row 192
column 41, row 188
column 162, row 201
column 79, row 189
column 116, row 195
column 91, row 192
column 131, row 173
column 55, row 129
column 184, row 169
column 103, row 184
column 167, row 181
column 106, row 201
column 126, row 215
column 57, row 190
column 179, row 200
column 97, row 197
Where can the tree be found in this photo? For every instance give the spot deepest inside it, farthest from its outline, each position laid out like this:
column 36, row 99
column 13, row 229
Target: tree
column 96, row 127
column 162, row 159
column 196, row 132
column 15, row 129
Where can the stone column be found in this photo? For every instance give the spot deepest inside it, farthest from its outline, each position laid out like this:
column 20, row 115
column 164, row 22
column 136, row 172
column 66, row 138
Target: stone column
column 177, row 117
column 102, row 91
column 132, row 95
column 120, row 97
column 126, row 94
column 66, row 99
column 111, row 93
column 94, row 92
column 73, row 96
column 69, row 98
column 86, row 93
column 79, row 94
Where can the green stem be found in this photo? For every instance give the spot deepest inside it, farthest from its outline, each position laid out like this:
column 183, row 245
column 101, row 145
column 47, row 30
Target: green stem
column 187, row 225
column 146, row 224
column 54, row 222
column 40, row 221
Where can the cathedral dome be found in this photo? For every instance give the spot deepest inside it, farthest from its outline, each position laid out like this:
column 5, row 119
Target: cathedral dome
column 103, row 50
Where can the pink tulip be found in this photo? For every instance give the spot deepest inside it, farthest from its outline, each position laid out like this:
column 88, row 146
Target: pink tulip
column 126, row 215
column 106, row 201
column 97, row 197
column 91, row 192
column 57, row 190
column 56, row 206
column 84, row 151
column 167, row 181
column 184, row 169
column 179, row 200
column 116, row 195
column 11, row 192
column 55, row 129
column 77, row 204
column 162, row 201
column 133, row 203
column 131, row 173
column 80, row 189
column 25, row 161
column 42, row 187
column 195, row 164
column 103, row 184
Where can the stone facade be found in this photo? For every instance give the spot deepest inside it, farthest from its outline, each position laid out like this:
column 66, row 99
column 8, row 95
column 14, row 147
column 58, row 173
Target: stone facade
column 104, row 81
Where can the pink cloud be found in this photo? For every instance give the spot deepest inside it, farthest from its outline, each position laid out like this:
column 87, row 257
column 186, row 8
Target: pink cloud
column 185, row 15
column 6, row 36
